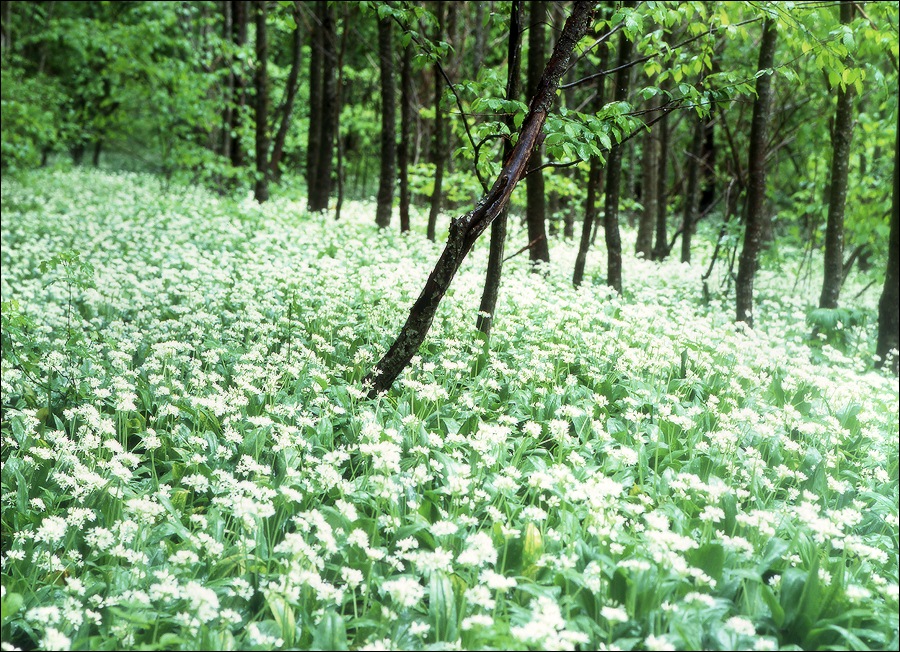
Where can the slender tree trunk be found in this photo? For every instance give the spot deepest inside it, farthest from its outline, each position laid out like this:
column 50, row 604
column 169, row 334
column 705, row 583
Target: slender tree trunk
column 329, row 101
column 465, row 230
column 228, row 111
column 840, row 163
column 480, row 40
column 240, row 19
column 614, row 173
column 314, row 133
column 385, row 202
column 756, row 186
column 594, row 183
column 261, row 190
column 707, row 155
column 649, row 187
column 438, row 155
column 339, row 103
column 692, row 196
column 290, row 94
column 536, row 208
column 498, row 226
column 660, row 246
column 98, row 149
column 889, row 304
column 406, row 118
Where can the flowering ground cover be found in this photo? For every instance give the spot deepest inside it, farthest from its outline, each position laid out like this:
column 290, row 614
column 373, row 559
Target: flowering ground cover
column 190, row 462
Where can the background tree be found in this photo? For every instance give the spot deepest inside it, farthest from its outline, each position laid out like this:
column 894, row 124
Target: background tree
column 261, row 189
column 536, row 210
column 385, row 204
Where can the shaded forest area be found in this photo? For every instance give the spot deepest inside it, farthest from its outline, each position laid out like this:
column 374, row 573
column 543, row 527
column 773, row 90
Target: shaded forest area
column 777, row 122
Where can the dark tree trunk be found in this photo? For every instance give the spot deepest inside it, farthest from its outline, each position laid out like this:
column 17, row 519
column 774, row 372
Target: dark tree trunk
column 228, row 111
column 536, row 208
column 498, row 226
column 385, row 202
column 649, row 186
column 329, row 102
column 240, row 20
column 889, row 304
column 261, row 190
column 660, row 246
column 339, row 103
column 480, row 40
column 98, row 149
column 707, row 157
column 290, row 94
column 614, row 173
column 438, row 155
column 756, row 185
column 692, row 195
column 406, row 117
column 465, row 230
column 314, row 133
column 595, row 180
column 837, row 196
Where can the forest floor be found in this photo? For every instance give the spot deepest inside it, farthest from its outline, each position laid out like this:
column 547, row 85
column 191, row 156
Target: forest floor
column 190, row 462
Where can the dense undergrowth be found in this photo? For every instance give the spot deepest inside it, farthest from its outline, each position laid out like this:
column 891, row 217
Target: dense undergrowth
column 189, row 461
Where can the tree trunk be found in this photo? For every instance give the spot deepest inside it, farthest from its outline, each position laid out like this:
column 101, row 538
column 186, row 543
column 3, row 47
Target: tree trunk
column 438, row 155
column 660, row 246
column 756, row 185
column 465, row 230
column 261, row 190
column 889, row 304
column 98, row 148
column 498, row 226
column 840, row 163
column 480, row 40
column 385, row 202
column 314, row 132
column 228, row 111
column 614, row 173
column 290, row 94
column 406, row 109
column 339, row 103
column 594, row 183
column 329, row 101
column 692, row 196
column 536, row 208
column 240, row 19
column 649, row 186
column 707, row 155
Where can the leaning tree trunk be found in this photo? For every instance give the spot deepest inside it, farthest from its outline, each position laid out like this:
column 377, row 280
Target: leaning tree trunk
column 498, row 226
column 329, row 101
column 314, row 131
column 756, row 185
column 403, row 147
column 837, row 195
column 261, row 189
column 536, row 206
column 889, row 304
column 465, row 230
column 614, row 174
column 438, row 155
column 385, row 199
column 290, row 94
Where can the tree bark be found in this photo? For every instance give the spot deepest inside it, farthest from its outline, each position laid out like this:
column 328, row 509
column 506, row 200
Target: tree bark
column 385, row 199
column 649, row 186
column 228, row 111
column 837, row 196
column 889, row 304
column 614, row 173
column 692, row 196
column 338, row 105
column 240, row 19
column 756, row 185
column 438, row 155
column 290, row 94
column 660, row 247
column 536, row 207
column 406, row 117
column 329, row 101
column 498, row 226
column 594, row 183
column 261, row 189
column 465, row 230
column 314, row 132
